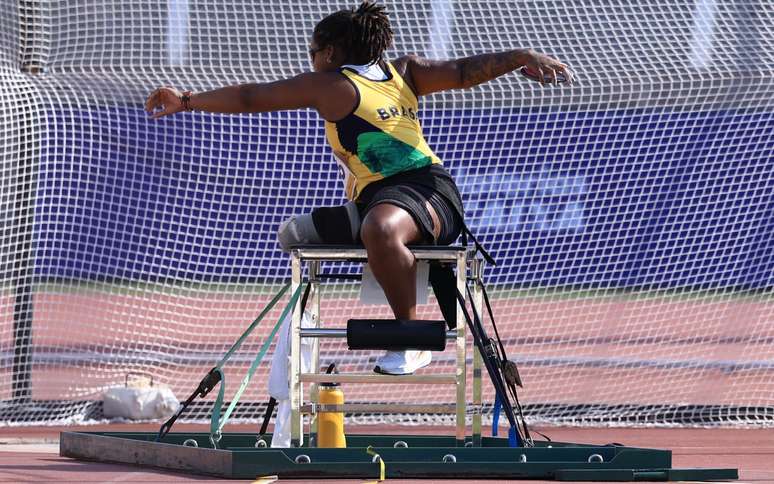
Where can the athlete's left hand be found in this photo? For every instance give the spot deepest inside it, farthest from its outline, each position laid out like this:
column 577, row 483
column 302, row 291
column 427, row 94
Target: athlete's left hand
column 546, row 68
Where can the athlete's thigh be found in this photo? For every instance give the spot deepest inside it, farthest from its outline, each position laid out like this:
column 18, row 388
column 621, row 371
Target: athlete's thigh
column 436, row 220
column 388, row 221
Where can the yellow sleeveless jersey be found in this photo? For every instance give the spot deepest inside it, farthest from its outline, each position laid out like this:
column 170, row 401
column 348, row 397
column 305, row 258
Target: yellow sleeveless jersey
column 382, row 136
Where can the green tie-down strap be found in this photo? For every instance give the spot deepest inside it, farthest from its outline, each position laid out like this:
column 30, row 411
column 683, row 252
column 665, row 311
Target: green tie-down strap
column 250, row 329
column 215, row 375
column 216, row 422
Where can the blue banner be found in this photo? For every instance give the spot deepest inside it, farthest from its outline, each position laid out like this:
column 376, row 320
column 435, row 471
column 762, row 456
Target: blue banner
column 599, row 199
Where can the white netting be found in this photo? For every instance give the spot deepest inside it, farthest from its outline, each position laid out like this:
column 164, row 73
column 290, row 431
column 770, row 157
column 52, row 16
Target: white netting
column 630, row 214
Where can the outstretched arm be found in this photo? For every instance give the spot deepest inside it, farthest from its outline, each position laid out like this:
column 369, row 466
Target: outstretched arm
column 430, row 76
column 309, row 90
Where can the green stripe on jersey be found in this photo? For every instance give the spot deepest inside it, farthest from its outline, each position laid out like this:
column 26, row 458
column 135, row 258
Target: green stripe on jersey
column 387, row 155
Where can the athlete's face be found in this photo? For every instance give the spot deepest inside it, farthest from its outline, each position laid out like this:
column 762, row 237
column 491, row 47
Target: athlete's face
column 323, row 58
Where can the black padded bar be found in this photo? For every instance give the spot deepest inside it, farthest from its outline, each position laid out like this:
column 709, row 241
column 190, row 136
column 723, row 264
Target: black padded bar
column 354, row 253
column 341, row 276
column 396, row 334
column 439, row 248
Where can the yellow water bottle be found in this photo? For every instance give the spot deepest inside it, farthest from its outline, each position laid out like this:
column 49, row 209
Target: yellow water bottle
column 330, row 425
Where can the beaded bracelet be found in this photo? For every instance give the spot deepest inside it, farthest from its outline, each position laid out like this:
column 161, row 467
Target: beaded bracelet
column 186, row 99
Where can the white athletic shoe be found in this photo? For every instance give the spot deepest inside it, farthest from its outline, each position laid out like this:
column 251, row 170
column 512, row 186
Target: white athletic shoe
column 402, row 362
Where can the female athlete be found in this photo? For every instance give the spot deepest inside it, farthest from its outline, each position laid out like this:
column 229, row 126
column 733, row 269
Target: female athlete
column 399, row 192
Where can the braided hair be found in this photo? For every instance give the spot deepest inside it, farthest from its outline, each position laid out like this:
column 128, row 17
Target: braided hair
column 363, row 34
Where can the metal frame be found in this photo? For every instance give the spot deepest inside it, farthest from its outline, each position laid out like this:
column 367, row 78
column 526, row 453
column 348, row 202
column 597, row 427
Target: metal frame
column 314, row 256
column 397, row 456
column 476, row 269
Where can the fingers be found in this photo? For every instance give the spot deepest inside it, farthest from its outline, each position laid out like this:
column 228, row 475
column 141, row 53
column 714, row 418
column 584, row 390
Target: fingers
column 160, row 99
column 150, row 102
column 553, row 79
column 552, row 67
column 566, row 72
column 163, row 112
column 549, row 70
column 153, row 102
column 554, row 73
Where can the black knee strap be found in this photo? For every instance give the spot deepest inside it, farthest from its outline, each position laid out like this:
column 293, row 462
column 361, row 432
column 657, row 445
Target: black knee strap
column 336, row 225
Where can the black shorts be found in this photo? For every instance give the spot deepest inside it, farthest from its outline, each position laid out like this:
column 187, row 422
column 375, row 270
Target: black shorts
column 410, row 191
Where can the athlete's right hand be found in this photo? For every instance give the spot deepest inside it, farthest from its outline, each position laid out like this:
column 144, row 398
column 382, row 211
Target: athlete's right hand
column 163, row 102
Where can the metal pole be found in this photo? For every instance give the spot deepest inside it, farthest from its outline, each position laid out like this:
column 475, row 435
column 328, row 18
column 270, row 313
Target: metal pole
column 314, row 269
column 461, row 373
column 20, row 235
column 33, row 46
column 20, row 239
column 296, row 419
column 342, row 333
column 476, row 269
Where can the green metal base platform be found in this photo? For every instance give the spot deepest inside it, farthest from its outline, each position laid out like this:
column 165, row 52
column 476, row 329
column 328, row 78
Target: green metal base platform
column 409, row 456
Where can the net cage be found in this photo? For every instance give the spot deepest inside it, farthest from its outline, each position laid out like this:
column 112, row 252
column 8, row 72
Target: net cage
column 630, row 213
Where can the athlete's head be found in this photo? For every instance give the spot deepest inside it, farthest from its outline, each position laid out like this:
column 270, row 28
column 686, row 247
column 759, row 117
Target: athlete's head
column 351, row 36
